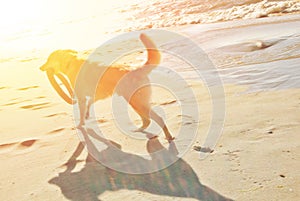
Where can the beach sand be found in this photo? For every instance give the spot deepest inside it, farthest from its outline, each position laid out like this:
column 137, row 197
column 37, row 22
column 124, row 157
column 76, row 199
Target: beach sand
column 256, row 157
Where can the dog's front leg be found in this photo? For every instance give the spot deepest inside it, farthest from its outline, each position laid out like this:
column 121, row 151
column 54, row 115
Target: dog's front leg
column 89, row 103
column 82, row 110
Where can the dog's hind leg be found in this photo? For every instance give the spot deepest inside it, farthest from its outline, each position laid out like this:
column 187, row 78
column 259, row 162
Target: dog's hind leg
column 161, row 123
column 146, row 113
column 140, row 102
column 146, row 122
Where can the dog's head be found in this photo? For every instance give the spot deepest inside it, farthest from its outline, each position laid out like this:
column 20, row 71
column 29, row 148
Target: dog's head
column 59, row 61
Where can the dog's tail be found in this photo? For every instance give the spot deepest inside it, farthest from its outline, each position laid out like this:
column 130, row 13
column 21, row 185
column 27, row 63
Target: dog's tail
column 154, row 56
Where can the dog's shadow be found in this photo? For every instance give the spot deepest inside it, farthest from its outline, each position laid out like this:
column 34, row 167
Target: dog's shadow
column 177, row 180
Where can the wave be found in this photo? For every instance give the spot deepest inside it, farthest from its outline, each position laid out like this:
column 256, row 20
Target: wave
column 160, row 13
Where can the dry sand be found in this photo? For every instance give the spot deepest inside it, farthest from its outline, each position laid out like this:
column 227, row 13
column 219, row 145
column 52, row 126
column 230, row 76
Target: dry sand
column 256, row 158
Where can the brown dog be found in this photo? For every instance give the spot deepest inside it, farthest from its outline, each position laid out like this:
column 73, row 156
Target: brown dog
column 133, row 85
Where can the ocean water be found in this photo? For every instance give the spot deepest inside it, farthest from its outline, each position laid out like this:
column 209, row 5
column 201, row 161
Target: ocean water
column 33, row 26
column 32, row 30
column 158, row 13
column 263, row 54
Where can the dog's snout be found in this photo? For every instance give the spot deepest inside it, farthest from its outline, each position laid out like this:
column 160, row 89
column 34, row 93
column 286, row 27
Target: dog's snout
column 43, row 68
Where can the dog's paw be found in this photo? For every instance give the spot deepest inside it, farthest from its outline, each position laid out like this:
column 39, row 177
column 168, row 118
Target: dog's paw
column 170, row 138
column 80, row 125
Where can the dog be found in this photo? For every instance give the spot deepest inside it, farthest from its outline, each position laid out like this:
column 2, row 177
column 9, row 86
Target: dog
column 133, row 85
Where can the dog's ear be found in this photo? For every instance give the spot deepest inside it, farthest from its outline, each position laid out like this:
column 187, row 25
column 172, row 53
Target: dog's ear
column 44, row 67
column 66, row 57
column 72, row 52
